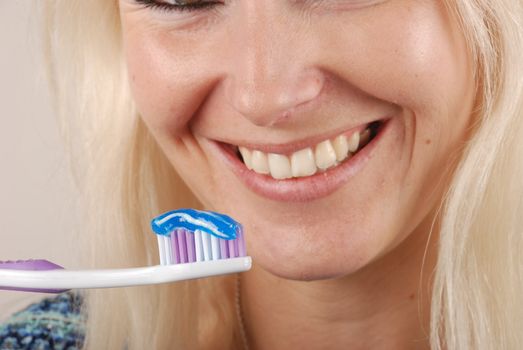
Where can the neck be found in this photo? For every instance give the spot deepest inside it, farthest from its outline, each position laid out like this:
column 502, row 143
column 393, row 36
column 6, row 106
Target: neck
column 385, row 305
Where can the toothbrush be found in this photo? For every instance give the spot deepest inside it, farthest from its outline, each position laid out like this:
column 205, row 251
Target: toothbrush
column 192, row 244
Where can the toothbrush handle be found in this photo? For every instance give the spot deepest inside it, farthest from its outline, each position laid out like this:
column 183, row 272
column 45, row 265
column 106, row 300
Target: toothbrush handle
column 71, row 279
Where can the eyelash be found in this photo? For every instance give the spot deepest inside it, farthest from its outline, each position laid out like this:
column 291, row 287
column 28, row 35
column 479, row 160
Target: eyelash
column 162, row 6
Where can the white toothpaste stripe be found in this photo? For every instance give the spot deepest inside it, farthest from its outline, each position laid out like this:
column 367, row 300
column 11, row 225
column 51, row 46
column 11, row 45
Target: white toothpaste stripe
column 219, row 217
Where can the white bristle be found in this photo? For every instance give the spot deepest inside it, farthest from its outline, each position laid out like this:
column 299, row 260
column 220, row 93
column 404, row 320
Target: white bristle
column 215, row 248
column 168, row 250
column 161, row 250
column 198, row 245
column 206, row 245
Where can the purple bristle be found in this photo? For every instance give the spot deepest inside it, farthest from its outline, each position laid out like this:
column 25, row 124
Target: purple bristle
column 241, row 243
column 224, row 249
column 233, row 248
column 182, row 246
column 191, row 252
column 174, row 248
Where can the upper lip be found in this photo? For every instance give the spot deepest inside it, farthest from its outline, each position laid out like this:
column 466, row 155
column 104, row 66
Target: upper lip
column 296, row 145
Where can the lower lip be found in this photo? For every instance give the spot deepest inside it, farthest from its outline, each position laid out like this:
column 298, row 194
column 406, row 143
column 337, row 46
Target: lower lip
column 308, row 188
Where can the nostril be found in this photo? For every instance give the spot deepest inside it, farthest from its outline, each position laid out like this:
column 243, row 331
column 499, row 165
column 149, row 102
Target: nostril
column 308, row 88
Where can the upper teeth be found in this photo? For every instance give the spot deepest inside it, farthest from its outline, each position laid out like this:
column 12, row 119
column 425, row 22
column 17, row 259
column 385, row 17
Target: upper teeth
column 307, row 161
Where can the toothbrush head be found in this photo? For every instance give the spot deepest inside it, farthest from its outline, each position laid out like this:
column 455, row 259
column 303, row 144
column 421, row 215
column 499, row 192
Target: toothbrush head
column 189, row 235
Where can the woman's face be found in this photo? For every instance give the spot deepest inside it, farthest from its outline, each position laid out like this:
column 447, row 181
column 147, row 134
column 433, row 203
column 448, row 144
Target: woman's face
column 284, row 79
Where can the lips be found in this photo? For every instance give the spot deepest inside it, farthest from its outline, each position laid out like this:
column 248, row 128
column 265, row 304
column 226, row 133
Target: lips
column 308, row 173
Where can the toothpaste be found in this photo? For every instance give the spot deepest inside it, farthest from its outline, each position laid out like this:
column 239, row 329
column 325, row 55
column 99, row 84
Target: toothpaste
column 216, row 224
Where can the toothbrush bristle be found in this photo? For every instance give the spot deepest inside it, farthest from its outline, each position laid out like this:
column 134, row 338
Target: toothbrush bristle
column 183, row 246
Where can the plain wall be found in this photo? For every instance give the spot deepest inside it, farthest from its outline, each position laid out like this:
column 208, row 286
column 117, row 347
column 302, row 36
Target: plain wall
column 38, row 206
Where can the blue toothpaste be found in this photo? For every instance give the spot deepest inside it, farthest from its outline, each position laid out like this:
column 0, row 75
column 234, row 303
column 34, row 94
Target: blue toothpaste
column 216, row 224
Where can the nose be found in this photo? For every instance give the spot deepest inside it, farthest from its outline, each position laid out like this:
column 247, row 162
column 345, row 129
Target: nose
column 269, row 74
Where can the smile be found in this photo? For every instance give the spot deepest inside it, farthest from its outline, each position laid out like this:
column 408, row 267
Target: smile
column 308, row 161
column 304, row 172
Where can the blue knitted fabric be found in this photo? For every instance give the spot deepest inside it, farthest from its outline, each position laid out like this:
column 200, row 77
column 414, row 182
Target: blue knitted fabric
column 52, row 324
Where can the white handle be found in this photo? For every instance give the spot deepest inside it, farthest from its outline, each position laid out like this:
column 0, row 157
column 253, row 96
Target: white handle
column 72, row 279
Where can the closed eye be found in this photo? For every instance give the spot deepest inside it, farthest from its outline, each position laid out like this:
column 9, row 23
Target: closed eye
column 179, row 5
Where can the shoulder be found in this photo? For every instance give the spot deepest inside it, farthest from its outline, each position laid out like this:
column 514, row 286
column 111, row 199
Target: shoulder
column 53, row 323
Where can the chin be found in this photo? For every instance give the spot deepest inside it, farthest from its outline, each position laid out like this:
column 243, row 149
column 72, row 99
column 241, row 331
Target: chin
column 308, row 259
column 305, row 270
column 303, row 273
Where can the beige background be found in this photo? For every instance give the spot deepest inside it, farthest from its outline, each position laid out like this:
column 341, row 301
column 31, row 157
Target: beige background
column 37, row 201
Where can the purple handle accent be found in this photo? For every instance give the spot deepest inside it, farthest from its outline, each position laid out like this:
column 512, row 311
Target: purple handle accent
column 30, row 265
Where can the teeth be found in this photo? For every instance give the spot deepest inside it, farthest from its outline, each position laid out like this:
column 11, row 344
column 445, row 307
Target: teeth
column 354, row 141
column 341, row 147
column 325, row 155
column 280, row 166
column 308, row 161
column 259, row 162
column 364, row 138
column 247, row 157
column 302, row 163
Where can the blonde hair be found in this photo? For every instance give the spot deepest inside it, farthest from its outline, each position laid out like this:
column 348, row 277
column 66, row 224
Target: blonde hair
column 477, row 296
column 478, row 285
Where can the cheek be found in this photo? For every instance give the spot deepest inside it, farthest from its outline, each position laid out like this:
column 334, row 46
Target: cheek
column 416, row 63
column 168, row 80
column 420, row 65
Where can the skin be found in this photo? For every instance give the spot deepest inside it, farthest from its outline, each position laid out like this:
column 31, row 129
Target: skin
column 344, row 270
